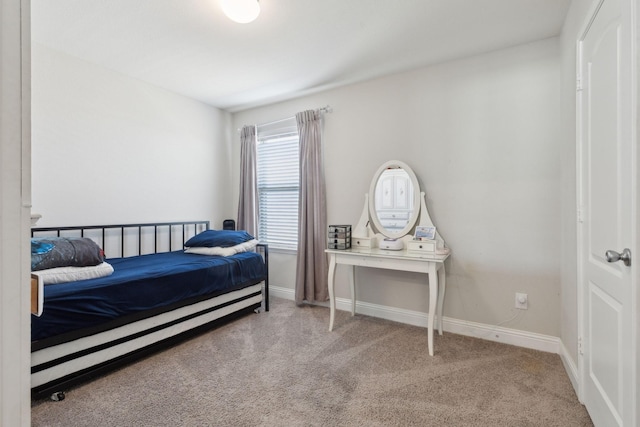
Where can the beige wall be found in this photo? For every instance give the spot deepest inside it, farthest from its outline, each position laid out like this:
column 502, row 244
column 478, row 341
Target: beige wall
column 109, row 149
column 483, row 136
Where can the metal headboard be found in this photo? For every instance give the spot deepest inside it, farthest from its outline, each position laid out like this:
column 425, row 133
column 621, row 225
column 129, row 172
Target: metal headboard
column 132, row 238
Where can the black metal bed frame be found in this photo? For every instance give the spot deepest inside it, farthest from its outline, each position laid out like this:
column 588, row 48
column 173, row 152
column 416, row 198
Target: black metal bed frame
column 158, row 227
column 137, row 232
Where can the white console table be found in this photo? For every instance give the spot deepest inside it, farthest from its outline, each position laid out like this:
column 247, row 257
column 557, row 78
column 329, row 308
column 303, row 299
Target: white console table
column 431, row 264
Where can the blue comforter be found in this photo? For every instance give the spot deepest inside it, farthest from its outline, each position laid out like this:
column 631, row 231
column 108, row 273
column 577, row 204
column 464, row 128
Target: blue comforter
column 142, row 283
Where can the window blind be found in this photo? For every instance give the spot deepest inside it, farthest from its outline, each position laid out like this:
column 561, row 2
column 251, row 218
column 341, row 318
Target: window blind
column 278, row 166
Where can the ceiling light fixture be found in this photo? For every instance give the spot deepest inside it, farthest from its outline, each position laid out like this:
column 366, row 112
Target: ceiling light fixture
column 241, row 11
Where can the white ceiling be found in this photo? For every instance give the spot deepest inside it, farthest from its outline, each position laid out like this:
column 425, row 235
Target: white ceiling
column 295, row 47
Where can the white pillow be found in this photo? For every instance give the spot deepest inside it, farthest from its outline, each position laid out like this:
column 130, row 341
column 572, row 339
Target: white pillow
column 52, row 276
column 232, row 250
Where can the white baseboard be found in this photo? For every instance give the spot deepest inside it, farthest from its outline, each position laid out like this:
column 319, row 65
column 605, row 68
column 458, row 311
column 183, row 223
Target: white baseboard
column 500, row 334
column 571, row 368
column 532, row 340
column 280, row 292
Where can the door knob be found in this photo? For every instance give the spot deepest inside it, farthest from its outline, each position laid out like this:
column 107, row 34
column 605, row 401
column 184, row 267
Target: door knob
column 625, row 256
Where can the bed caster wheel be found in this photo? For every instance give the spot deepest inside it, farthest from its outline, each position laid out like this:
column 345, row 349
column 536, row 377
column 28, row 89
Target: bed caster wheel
column 57, row 396
column 257, row 310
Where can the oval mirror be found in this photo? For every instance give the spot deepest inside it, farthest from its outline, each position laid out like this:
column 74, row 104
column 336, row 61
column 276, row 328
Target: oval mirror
column 394, row 199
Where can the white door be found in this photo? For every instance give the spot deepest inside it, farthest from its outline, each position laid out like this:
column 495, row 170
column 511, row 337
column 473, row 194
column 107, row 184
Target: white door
column 606, row 196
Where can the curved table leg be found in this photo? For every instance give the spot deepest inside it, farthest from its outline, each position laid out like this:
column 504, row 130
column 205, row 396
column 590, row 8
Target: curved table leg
column 332, row 297
column 352, row 283
column 441, row 291
column 433, row 298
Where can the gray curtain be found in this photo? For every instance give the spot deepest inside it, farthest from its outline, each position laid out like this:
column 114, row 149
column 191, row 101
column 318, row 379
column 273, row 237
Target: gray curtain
column 248, row 200
column 312, row 265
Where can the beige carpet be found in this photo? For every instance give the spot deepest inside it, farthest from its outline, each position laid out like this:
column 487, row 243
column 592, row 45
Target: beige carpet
column 283, row 368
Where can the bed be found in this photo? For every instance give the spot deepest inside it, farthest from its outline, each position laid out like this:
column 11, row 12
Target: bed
column 156, row 295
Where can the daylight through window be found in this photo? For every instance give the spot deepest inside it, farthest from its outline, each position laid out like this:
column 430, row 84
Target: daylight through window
column 278, row 167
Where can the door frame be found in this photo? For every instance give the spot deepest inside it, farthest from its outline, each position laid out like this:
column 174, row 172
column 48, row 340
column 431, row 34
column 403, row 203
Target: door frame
column 15, row 203
column 634, row 19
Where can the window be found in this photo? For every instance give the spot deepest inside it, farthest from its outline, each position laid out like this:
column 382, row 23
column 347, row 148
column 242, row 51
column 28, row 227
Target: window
column 278, row 164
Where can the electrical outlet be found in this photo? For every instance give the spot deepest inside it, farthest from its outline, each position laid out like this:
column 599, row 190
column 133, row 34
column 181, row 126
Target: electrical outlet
column 522, row 301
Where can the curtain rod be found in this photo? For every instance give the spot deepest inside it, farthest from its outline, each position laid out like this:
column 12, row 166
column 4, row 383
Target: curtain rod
column 324, row 110
column 275, row 121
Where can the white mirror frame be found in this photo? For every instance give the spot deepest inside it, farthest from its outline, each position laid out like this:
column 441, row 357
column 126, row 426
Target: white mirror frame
column 373, row 215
